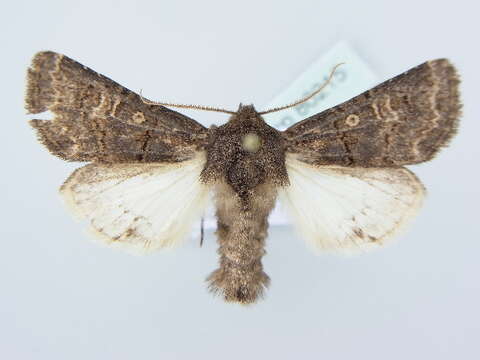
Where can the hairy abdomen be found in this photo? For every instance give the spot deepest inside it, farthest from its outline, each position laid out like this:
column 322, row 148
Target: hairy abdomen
column 242, row 229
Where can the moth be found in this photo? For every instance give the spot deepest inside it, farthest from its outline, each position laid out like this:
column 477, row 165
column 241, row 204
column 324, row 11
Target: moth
column 340, row 173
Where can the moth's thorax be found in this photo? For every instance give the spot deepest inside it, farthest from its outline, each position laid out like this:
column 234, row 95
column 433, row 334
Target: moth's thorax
column 245, row 152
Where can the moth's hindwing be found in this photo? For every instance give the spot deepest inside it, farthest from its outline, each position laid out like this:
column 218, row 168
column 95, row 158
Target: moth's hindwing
column 139, row 207
column 342, row 209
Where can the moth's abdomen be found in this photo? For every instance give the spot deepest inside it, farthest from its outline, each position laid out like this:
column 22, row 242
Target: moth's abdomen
column 242, row 229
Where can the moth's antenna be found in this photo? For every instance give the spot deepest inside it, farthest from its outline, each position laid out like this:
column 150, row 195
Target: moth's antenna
column 308, row 97
column 183, row 106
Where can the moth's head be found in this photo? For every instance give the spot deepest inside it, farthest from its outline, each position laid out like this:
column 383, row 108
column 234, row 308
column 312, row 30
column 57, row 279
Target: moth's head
column 245, row 109
column 246, row 112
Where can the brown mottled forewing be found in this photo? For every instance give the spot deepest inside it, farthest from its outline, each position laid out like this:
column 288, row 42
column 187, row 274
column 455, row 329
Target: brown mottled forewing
column 405, row 120
column 98, row 120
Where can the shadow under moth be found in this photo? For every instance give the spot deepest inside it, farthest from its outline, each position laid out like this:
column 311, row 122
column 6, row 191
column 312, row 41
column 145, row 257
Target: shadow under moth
column 340, row 173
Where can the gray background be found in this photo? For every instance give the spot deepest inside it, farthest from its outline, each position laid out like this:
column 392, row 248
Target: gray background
column 64, row 298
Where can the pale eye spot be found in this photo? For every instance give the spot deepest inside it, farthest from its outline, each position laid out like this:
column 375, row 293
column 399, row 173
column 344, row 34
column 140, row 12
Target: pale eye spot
column 138, row 117
column 352, row 120
column 251, row 142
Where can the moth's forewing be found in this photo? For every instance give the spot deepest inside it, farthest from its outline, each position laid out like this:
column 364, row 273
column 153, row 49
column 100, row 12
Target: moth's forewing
column 405, row 120
column 98, row 120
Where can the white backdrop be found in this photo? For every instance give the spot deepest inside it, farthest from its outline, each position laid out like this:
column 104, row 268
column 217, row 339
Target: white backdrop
column 62, row 297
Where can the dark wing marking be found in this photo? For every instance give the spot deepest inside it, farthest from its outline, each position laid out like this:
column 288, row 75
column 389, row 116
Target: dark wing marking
column 98, row 120
column 405, row 120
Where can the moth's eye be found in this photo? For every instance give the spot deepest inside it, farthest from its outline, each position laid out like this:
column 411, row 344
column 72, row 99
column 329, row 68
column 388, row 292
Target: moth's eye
column 251, row 142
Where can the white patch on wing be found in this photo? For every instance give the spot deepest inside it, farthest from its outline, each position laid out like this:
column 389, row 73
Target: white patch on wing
column 342, row 209
column 139, row 207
